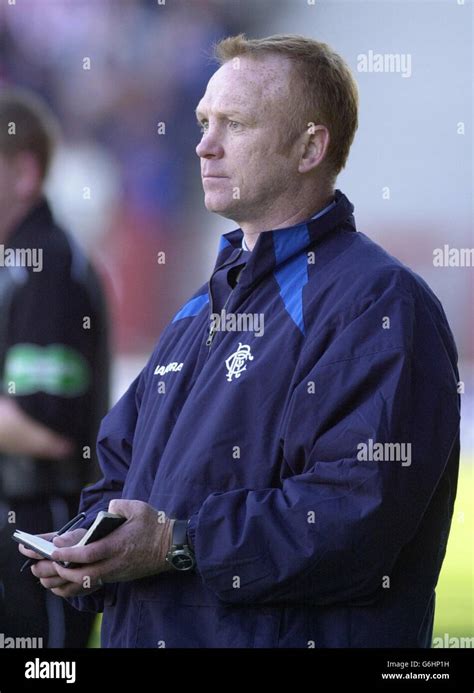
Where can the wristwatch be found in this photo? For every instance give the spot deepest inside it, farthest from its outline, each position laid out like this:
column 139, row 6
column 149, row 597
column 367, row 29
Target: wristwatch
column 180, row 555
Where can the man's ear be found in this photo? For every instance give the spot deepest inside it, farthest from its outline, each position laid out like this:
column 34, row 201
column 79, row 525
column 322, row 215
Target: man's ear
column 315, row 146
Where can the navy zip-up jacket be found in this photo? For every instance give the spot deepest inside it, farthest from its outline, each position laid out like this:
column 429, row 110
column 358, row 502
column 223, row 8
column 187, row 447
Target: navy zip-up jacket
column 317, row 462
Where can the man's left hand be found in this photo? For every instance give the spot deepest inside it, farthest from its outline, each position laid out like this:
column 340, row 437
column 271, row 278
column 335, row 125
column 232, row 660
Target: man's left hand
column 134, row 550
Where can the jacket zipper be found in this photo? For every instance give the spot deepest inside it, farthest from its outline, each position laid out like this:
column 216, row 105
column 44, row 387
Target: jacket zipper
column 212, row 328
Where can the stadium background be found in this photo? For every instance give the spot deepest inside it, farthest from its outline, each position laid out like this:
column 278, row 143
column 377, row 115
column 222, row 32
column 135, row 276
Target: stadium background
column 113, row 70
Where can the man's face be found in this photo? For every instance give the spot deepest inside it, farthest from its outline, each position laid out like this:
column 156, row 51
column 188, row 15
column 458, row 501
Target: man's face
column 20, row 187
column 246, row 164
column 7, row 185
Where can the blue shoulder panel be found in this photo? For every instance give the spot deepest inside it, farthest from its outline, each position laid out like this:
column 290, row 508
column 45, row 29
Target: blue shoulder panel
column 192, row 307
column 292, row 276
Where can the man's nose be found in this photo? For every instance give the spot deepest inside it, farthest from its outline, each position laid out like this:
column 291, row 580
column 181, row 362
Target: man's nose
column 209, row 147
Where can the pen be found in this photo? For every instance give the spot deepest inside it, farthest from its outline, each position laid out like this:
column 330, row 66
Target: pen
column 69, row 525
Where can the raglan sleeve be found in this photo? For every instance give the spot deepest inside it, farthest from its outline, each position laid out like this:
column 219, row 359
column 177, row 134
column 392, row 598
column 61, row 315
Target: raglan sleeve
column 114, row 452
column 342, row 515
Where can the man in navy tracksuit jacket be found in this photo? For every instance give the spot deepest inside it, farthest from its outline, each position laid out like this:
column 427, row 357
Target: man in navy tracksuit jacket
column 313, row 462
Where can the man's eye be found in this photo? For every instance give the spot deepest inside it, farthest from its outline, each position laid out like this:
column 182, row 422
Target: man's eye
column 233, row 125
column 204, row 126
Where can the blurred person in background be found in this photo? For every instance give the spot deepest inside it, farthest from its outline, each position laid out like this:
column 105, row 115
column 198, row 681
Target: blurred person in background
column 54, row 363
column 261, row 511
column 116, row 107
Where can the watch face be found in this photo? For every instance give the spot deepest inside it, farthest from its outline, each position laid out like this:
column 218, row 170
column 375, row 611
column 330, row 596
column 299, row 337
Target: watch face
column 182, row 561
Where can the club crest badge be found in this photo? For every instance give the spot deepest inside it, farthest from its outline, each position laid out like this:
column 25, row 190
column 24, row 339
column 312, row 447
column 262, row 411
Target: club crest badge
column 237, row 362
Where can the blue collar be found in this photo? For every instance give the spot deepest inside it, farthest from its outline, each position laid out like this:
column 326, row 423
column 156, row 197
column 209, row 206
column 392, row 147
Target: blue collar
column 275, row 247
column 315, row 216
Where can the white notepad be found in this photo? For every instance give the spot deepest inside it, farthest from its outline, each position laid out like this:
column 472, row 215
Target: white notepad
column 103, row 524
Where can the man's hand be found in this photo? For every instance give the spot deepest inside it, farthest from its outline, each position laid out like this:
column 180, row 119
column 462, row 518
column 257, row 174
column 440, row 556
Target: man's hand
column 46, row 569
column 134, row 550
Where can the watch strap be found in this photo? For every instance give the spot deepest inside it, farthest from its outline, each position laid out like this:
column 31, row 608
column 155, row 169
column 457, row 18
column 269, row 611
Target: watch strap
column 179, row 535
